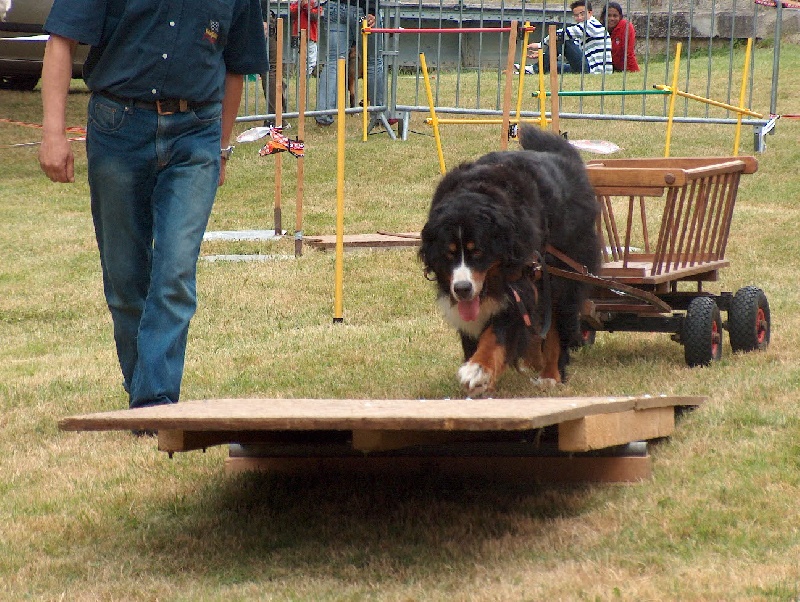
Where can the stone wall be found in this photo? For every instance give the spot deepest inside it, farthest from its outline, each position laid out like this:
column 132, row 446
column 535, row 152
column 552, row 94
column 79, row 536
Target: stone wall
column 704, row 19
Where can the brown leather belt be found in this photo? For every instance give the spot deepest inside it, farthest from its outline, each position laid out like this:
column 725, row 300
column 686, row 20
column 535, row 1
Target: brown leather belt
column 163, row 106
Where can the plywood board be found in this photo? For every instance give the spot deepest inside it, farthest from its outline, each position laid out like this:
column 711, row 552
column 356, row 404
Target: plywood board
column 328, row 241
column 366, row 414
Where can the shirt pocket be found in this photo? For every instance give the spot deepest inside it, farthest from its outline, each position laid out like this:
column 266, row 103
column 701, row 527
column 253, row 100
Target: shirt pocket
column 216, row 18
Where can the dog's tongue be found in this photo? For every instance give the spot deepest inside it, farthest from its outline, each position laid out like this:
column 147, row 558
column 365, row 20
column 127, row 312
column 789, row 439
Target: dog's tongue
column 468, row 310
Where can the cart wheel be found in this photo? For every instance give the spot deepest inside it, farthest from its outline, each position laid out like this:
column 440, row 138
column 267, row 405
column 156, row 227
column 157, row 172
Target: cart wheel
column 748, row 320
column 702, row 332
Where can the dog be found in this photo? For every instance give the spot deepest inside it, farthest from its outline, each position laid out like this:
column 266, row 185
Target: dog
column 494, row 227
column 355, row 72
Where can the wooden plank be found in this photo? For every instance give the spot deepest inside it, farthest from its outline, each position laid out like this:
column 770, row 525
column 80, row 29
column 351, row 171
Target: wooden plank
column 365, row 414
column 622, row 469
column 607, row 430
column 328, row 241
column 632, row 179
column 693, row 272
column 750, row 162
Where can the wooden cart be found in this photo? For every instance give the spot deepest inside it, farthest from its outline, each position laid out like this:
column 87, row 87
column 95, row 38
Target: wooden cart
column 664, row 226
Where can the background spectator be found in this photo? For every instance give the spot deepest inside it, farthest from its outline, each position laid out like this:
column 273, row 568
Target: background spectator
column 585, row 45
column 308, row 12
column 623, row 38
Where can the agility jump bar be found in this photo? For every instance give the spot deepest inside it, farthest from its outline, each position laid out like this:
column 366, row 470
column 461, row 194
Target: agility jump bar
column 660, row 91
column 528, row 28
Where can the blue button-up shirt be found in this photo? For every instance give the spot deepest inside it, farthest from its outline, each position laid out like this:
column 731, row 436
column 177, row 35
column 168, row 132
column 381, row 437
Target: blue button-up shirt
column 154, row 49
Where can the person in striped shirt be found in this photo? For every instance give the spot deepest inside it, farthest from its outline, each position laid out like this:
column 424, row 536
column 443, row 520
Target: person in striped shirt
column 584, row 47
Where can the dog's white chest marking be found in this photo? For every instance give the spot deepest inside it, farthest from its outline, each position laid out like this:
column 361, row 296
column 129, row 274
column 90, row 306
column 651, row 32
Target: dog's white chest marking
column 473, row 328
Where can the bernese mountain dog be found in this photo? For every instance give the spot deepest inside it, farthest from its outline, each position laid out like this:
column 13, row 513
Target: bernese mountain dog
column 494, row 228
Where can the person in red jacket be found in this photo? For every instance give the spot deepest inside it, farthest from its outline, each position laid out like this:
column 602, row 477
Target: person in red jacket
column 623, row 38
column 309, row 20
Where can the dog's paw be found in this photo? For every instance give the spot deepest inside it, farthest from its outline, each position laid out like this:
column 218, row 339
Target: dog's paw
column 475, row 379
column 544, row 383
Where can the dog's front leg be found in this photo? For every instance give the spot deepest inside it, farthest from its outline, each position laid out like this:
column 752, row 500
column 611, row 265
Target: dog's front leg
column 552, row 351
column 479, row 373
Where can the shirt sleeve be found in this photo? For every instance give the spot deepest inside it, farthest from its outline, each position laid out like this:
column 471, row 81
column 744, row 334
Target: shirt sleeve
column 633, row 64
column 79, row 20
column 246, row 49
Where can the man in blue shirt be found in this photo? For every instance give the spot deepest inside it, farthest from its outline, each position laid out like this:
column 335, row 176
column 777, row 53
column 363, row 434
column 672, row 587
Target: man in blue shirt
column 166, row 78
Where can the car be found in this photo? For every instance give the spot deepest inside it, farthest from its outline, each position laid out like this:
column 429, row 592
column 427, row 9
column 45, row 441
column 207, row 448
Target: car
column 22, row 42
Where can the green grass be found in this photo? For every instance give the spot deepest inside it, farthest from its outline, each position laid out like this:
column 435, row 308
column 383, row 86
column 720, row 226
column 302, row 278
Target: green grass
column 104, row 516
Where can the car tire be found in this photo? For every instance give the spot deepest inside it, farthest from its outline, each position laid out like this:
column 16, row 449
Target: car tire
column 22, row 83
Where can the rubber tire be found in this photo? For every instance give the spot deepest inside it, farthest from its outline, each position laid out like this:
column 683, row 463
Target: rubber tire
column 22, row 83
column 749, row 320
column 702, row 332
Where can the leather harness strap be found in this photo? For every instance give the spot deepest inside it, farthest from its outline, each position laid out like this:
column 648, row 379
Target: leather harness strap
column 537, row 272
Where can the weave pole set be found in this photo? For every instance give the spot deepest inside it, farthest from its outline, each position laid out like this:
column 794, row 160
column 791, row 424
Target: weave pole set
column 277, row 198
column 671, row 90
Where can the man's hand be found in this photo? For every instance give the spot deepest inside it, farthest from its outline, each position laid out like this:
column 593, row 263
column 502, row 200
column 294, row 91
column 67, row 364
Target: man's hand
column 533, row 50
column 223, row 163
column 56, row 158
column 371, row 20
column 55, row 153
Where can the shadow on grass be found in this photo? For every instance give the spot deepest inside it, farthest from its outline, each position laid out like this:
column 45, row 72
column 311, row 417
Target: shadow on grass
column 252, row 525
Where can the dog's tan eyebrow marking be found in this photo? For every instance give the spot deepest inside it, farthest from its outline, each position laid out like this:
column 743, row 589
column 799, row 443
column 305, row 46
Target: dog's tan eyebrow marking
column 470, row 246
column 452, row 247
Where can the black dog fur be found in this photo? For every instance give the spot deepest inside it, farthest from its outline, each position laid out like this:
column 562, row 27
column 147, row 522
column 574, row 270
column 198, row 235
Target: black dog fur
column 489, row 221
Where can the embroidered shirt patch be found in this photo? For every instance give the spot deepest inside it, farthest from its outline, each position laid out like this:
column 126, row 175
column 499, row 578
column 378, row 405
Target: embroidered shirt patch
column 212, row 32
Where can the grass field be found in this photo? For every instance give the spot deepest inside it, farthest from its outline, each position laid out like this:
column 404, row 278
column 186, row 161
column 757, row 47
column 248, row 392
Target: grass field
column 104, row 516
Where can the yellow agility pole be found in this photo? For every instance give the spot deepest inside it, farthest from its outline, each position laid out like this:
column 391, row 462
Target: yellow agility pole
column 479, row 120
column 341, row 75
column 542, row 94
column 738, row 134
column 672, row 97
column 512, row 52
column 364, row 102
column 709, row 101
column 301, row 134
column 434, row 120
column 278, row 121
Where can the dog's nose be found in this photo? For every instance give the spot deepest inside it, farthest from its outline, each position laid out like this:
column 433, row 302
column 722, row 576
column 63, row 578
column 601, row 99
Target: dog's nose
column 462, row 289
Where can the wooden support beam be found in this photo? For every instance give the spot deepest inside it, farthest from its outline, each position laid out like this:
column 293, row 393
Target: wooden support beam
column 621, row 469
column 606, row 430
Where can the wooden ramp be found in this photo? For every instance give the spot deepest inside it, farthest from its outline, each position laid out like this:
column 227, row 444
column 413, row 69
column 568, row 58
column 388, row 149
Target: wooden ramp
column 540, row 439
column 363, row 241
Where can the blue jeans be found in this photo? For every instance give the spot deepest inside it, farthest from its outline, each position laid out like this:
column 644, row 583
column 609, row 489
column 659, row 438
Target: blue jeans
column 576, row 60
column 152, row 179
column 343, row 23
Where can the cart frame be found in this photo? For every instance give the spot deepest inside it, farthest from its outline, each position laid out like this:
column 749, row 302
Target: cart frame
column 637, row 288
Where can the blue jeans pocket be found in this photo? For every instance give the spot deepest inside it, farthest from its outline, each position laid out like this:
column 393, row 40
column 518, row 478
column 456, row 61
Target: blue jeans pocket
column 209, row 113
column 106, row 115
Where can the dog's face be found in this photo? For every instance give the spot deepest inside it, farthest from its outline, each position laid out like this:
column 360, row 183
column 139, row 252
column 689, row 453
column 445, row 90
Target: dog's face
column 465, row 246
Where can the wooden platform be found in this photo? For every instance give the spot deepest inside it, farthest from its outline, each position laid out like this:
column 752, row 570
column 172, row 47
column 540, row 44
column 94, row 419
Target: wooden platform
column 376, row 240
column 490, row 436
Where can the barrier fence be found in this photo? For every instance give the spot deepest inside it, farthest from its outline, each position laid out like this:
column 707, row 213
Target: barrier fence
column 470, row 43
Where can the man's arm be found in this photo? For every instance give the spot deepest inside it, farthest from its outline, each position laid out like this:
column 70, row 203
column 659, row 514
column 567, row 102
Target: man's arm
column 234, row 84
column 55, row 153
